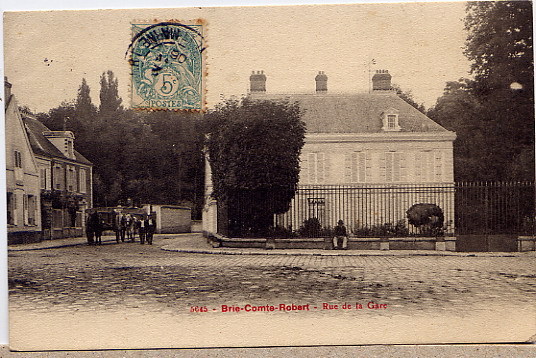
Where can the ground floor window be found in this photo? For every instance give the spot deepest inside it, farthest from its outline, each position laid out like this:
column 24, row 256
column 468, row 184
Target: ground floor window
column 32, row 209
column 11, row 209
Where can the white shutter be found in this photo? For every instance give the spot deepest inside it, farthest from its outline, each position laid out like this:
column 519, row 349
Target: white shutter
column 355, row 167
column 362, row 167
column 327, row 167
column 321, row 170
column 312, row 168
column 389, row 167
column 304, row 173
column 383, row 175
column 368, row 166
column 347, row 167
column 403, row 174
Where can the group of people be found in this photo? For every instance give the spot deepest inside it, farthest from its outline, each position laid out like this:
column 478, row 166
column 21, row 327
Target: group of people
column 127, row 225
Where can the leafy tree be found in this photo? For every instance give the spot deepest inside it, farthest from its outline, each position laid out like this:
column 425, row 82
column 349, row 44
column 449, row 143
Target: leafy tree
column 59, row 118
column 500, row 44
column 254, row 149
column 493, row 114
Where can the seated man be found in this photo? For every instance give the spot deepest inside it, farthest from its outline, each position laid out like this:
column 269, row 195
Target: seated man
column 340, row 241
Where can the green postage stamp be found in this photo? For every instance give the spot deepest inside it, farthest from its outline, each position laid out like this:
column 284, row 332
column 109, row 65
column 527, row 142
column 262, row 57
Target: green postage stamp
column 168, row 66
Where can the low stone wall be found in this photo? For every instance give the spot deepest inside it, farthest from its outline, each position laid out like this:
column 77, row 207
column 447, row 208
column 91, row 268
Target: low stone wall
column 405, row 243
column 23, row 237
column 526, row 243
column 66, row 232
column 197, row 226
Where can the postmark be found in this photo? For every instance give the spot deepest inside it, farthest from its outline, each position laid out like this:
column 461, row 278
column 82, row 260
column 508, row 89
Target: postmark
column 167, row 61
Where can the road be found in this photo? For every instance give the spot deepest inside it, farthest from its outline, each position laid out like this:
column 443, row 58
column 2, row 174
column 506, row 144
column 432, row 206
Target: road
column 109, row 291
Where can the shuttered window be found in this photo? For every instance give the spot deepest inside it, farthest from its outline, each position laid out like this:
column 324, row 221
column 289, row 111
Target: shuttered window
column 11, row 209
column 83, row 181
column 356, row 167
column 32, row 209
column 317, row 168
column 58, row 177
column 395, row 167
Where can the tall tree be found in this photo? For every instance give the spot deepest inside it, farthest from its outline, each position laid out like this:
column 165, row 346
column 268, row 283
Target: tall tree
column 254, row 149
column 85, row 110
column 110, row 102
column 500, row 44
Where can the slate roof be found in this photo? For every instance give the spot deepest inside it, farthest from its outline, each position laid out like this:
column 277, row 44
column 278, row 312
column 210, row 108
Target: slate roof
column 355, row 113
column 42, row 146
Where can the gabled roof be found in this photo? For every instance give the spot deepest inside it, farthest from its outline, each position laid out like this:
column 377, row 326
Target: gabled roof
column 355, row 113
column 41, row 145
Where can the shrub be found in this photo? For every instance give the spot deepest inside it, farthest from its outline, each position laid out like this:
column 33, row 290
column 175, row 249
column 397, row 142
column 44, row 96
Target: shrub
column 428, row 218
column 281, row 232
column 311, row 228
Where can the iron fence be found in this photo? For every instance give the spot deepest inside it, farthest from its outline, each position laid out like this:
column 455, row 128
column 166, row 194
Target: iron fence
column 380, row 210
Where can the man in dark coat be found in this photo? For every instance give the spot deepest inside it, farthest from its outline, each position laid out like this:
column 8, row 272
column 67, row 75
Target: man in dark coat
column 340, row 241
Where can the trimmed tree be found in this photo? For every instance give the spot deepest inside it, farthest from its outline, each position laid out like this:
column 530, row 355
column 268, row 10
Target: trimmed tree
column 254, row 148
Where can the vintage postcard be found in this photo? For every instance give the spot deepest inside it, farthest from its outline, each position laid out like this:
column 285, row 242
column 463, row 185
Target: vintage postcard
column 270, row 176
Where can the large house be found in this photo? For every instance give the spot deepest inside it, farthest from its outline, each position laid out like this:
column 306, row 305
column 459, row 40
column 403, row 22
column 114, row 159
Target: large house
column 359, row 145
column 49, row 182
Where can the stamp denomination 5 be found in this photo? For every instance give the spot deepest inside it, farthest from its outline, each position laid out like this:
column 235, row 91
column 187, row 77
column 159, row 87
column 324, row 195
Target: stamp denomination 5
column 167, row 66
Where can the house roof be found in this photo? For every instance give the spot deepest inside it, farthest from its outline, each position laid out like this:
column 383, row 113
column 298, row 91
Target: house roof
column 41, row 145
column 355, row 113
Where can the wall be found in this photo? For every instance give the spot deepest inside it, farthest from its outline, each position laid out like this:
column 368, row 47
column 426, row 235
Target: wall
column 172, row 219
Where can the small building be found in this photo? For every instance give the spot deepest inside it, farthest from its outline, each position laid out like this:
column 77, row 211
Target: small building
column 22, row 177
column 171, row 219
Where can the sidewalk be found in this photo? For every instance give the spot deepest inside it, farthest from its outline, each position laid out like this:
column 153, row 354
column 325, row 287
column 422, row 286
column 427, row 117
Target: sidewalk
column 195, row 243
column 57, row 243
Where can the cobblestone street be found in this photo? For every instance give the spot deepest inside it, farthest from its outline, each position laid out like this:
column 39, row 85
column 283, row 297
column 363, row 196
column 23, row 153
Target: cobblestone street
column 134, row 280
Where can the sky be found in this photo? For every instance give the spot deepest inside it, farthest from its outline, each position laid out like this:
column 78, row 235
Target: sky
column 421, row 44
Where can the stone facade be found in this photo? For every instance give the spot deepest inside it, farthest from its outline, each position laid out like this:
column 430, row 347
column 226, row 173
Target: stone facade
column 22, row 178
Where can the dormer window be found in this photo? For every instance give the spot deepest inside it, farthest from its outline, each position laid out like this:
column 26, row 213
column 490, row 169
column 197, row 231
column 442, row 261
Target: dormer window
column 390, row 120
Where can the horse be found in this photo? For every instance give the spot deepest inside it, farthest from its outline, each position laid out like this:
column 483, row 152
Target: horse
column 94, row 229
column 130, row 228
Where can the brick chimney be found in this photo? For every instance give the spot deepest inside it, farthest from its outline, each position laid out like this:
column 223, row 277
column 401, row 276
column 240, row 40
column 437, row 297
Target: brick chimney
column 381, row 81
column 321, row 82
column 257, row 81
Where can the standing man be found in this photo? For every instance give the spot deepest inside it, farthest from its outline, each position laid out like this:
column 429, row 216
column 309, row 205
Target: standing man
column 340, row 241
column 150, row 229
column 117, row 225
